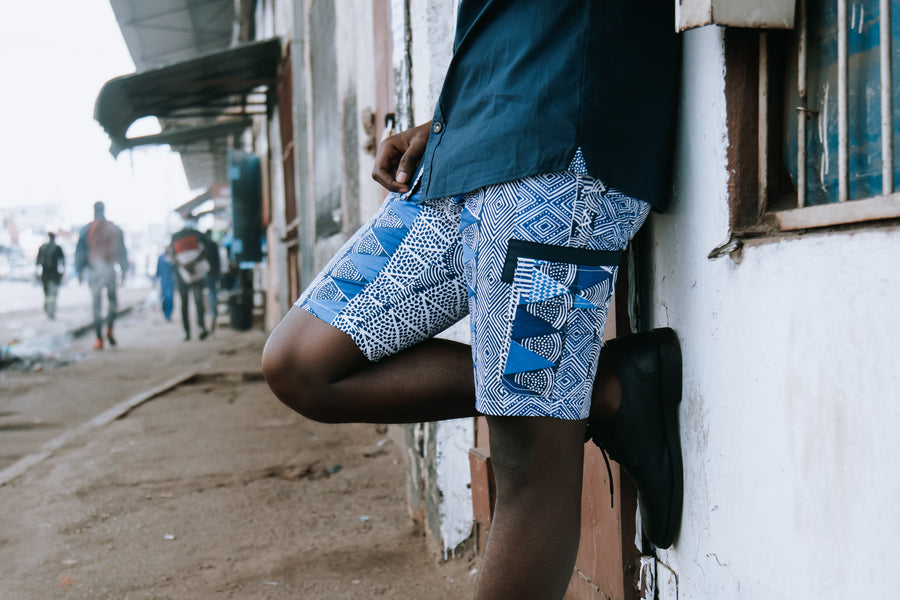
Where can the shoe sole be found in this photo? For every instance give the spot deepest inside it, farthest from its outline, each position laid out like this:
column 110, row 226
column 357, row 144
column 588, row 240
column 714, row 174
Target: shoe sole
column 669, row 350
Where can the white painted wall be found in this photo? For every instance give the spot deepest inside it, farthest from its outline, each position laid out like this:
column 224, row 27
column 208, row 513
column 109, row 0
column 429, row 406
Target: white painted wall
column 791, row 398
column 432, row 24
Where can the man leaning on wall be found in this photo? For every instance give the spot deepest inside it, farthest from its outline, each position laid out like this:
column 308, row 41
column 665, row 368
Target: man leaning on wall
column 550, row 144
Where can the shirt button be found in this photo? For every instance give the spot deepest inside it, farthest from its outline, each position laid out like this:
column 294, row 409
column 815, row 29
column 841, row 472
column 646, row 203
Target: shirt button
column 437, row 127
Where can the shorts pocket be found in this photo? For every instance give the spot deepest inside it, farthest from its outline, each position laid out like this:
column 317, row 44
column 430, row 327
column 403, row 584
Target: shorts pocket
column 559, row 254
column 559, row 301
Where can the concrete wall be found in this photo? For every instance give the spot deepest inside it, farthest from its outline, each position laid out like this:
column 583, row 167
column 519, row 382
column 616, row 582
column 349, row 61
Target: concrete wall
column 334, row 72
column 437, row 452
column 791, row 379
column 273, row 19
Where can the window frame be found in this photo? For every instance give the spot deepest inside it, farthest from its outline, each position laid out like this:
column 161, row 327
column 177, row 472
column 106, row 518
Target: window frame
column 754, row 87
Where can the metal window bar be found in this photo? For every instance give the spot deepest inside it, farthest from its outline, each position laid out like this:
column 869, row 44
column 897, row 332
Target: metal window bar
column 843, row 137
column 763, row 116
column 887, row 110
column 887, row 125
column 802, row 110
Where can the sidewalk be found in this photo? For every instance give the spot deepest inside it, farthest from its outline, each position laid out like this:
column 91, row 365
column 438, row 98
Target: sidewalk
column 204, row 487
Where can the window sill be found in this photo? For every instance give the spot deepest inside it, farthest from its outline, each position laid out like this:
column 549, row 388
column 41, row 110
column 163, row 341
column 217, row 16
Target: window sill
column 829, row 215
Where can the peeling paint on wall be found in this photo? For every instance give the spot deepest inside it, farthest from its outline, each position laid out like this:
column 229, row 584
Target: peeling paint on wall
column 454, row 438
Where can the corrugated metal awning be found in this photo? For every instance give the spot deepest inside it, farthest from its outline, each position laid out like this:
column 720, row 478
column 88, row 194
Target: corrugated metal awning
column 220, row 194
column 198, row 99
column 165, row 32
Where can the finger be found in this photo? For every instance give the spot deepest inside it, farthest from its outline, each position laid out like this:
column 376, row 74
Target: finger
column 386, row 164
column 409, row 162
column 386, row 179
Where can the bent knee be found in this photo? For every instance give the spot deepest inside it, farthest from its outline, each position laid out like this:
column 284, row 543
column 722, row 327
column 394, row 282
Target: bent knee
column 277, row 362
column 287, row 376
column 300, row 363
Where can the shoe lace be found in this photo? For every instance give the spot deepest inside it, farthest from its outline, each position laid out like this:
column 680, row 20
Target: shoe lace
column 591, row 434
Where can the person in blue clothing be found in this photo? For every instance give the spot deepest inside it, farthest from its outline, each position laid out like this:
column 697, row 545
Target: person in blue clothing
column 551, row 142
column 165, row 274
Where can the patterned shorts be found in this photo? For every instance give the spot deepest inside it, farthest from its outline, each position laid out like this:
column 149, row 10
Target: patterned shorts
column 533, row 261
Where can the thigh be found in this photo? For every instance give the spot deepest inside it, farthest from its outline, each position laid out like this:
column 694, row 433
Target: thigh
column 543, row 256
column 397, row 281
column 310, row 347
column 96, row 281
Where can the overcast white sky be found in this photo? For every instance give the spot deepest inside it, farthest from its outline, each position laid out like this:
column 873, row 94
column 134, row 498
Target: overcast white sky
column 55, row 55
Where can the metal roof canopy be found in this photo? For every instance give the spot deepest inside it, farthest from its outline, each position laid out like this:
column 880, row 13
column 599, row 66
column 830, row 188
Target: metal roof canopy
column 220, row 195
column 228, row 83
column 164, row 32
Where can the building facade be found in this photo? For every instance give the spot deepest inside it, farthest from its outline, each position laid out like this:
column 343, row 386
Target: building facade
column 776, row 264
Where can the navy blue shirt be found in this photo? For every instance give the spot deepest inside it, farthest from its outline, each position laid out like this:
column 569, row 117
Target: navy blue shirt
column 531, row 81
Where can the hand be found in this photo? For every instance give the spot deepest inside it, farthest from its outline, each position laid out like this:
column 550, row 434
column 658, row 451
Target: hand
column 398, row 156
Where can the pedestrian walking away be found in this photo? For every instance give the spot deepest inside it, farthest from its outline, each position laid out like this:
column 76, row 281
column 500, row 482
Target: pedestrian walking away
column 211, row 252
column 550, row 143
column 101, row 247
column 51, row 261
column 188, row 253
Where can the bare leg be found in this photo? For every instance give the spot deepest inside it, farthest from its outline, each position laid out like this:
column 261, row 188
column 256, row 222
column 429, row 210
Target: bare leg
column 534, row 534
column 318, row 371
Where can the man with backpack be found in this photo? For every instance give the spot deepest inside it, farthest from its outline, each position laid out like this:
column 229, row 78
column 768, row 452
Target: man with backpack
column 188, row 252
column 101, row 246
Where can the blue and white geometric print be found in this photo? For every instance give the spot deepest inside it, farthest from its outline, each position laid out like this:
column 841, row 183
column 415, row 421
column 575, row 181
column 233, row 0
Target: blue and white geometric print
column 397, row 281
column 537, row 314
column 536, row 341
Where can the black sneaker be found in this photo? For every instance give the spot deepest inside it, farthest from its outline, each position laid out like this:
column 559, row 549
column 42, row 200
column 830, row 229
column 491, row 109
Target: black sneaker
column 643, row 435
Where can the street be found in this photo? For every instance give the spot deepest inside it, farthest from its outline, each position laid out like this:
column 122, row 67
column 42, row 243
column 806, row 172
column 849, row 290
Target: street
column 166, row 469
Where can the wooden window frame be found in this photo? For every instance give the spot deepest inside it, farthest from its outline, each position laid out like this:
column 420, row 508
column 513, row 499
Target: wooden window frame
column 755, row 83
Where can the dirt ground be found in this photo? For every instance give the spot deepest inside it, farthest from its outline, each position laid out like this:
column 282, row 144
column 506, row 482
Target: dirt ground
column 209, row 489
